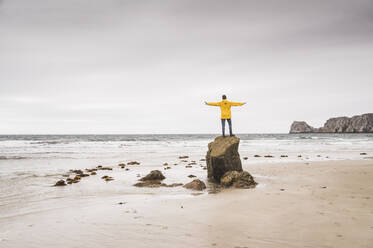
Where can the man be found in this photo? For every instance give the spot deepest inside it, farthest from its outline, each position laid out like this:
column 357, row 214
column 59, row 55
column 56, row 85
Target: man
column 225, row 107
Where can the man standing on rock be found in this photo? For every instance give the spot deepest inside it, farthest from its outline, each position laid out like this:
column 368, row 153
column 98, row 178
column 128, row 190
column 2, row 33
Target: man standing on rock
column 225, row 107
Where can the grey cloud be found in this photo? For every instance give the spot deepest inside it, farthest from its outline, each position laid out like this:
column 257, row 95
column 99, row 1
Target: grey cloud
column 155, row 62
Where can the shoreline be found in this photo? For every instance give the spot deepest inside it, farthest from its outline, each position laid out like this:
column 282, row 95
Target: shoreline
column 319, row 204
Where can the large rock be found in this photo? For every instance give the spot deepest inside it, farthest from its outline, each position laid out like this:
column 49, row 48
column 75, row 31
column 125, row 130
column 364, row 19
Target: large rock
column 356, row 124
column 223, row 156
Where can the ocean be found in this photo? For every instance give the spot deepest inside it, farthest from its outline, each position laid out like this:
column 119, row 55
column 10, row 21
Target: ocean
column 49, row 147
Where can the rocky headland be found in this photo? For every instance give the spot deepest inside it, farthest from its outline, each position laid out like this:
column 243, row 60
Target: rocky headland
column 356, row 124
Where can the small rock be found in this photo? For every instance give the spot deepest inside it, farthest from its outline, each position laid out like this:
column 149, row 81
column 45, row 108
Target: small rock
column 133, row 163
column 202, row 159
column 184, row 161
column 282, row 189
column 299, row 156
column 171, row 185
column 196, row 184
column 153, row 175
column 127, row 169
column 257, row 156
column 77, row 171
column 191, row 176
column 60, row 183
column 93, row 173
column 284, row 156
column 77, row 178
column 188, row 166
column 155, row 184
column 183, row 157
column 165, row 164
column 245, row 158
column 268, row 156
column 148, row 183
column 363, row 153
column 107, row 178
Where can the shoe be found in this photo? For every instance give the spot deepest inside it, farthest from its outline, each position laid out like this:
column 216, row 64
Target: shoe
column 232, row 135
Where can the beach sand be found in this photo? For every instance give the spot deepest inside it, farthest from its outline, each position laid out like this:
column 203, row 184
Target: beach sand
column 314, row 204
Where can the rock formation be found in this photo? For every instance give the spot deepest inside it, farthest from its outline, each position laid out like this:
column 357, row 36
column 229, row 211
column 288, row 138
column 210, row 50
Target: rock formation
column 222, row 156
column 237, row 179
column 224, row 164
column 356, row 124
column 301, row 127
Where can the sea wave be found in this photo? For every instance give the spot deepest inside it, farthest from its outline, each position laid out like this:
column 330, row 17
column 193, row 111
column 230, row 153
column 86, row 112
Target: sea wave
column 49, row 142
column 12, row 157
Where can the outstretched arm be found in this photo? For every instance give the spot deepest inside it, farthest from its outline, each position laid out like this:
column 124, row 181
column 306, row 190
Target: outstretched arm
column 212, row 103
column 237, row 103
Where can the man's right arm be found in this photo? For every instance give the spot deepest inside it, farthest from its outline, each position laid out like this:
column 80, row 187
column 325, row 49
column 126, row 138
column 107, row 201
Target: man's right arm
column 212, row 103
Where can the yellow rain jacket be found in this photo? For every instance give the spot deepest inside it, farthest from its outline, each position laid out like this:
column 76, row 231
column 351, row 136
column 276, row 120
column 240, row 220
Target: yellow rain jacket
column 225, row 107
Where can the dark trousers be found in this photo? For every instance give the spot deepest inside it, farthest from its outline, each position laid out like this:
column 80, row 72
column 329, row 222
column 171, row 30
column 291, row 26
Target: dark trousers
column 223, row 126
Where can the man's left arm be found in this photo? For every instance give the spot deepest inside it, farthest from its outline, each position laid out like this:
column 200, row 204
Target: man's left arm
column 237, row 103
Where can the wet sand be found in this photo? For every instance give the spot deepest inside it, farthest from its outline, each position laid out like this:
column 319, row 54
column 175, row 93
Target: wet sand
column 315, row 204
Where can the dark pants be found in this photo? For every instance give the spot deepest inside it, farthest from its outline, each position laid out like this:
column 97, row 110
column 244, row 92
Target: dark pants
column 223, row 126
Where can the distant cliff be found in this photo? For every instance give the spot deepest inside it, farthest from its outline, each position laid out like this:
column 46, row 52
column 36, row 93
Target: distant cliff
column 356, row 124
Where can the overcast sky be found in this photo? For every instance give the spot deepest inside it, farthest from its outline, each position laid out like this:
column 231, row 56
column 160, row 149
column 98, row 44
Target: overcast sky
column 115, row 66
